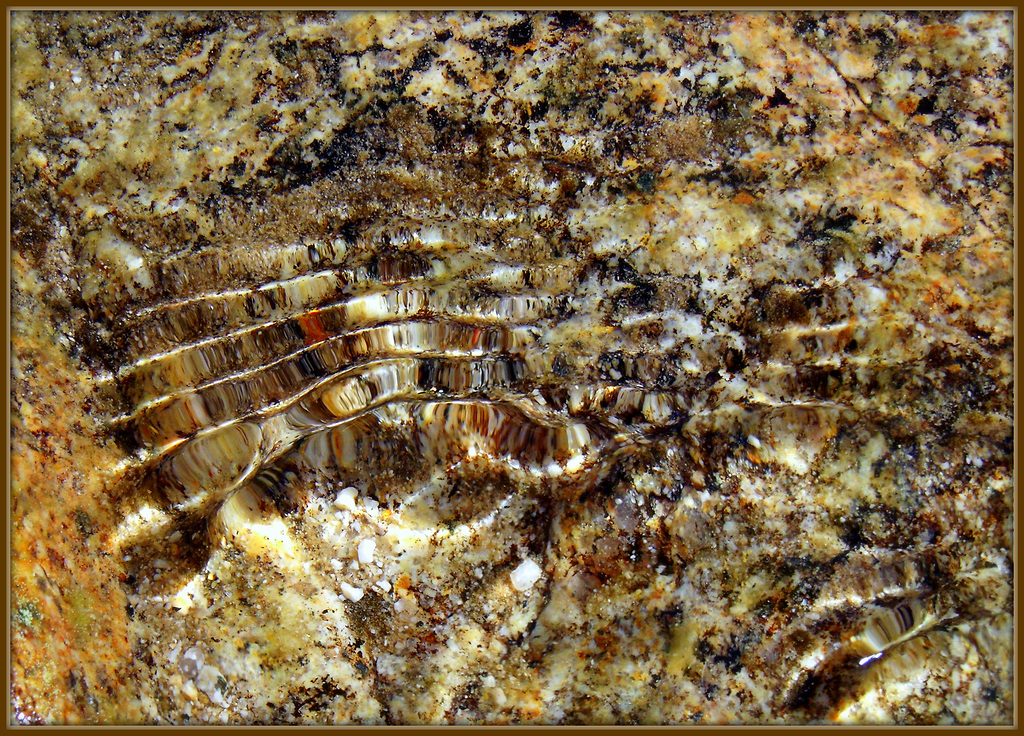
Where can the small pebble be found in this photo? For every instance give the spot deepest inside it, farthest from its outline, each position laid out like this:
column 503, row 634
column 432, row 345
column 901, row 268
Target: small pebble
column 191, row 662
column 524, row 576
column 364, row 552
column 346, row 498
column 351, row 592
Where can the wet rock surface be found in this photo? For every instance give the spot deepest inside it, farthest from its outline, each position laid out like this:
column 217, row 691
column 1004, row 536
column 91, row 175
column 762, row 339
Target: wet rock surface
column 512, row 367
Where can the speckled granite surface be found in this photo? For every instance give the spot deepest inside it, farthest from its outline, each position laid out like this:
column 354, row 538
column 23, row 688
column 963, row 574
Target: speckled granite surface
column 512, row 368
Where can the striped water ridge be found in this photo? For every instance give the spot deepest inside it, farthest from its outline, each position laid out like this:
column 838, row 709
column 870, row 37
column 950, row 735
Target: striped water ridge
column 246, row 355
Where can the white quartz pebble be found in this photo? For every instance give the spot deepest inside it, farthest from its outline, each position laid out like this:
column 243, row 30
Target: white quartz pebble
column 346, row 498
column 351, row 592
column 524, row 576
column 364, row 553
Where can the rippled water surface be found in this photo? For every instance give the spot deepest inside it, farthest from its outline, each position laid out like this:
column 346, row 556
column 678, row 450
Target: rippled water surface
column 514, row 367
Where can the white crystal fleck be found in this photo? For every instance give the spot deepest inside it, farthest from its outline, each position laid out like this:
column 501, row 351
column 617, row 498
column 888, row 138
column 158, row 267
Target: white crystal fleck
column 524, row 576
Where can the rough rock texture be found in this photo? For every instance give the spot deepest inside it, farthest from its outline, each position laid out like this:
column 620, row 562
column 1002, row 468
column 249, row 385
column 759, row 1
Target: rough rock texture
column 512, row 368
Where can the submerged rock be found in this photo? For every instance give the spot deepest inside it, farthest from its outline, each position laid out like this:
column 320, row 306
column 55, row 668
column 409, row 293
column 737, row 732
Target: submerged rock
column 695, row 327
